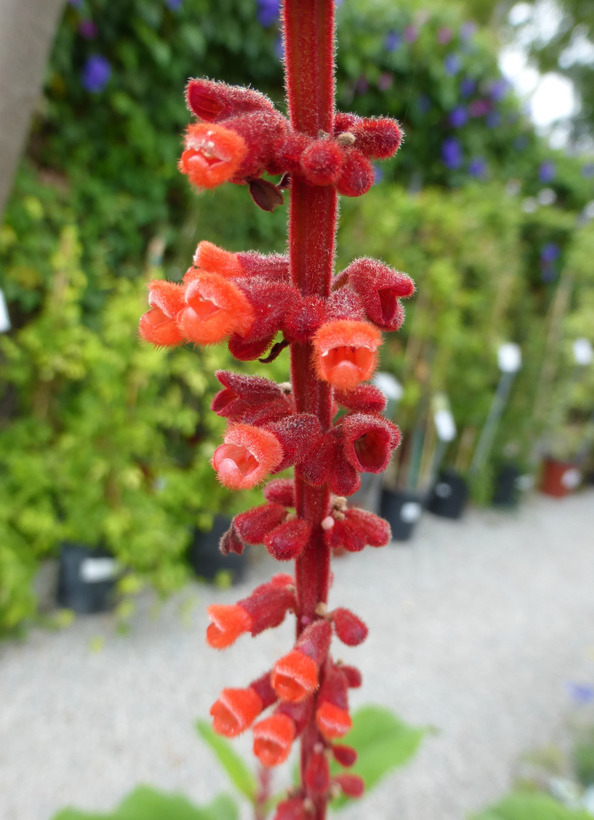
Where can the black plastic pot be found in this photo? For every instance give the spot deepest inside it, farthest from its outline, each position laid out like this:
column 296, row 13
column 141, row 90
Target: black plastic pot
column 506, row 491
column 402, row 509
column 206, row 558
column 448, row 495
column 86, row 579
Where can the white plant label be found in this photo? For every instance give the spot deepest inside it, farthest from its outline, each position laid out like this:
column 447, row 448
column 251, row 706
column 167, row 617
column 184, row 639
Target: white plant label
column 95, row 570
column 410, row 512
column 571, row 478
column 582, row 351
column 4, row 317
column 509, row 358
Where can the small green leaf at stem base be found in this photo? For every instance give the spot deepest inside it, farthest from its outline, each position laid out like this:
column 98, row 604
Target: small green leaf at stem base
column 239, row 774
column 146, row 803
column 383, row 742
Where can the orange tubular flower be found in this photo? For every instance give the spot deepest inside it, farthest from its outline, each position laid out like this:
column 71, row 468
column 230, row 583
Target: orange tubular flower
column 345, row 352
column 273, row 738
column 159, row 326
column 215, row 308
column 246, row 457
column 213, row 154
column 295, row 676
column 212, row 259
column 332, row 721
column 228, row 622
column 235, row 711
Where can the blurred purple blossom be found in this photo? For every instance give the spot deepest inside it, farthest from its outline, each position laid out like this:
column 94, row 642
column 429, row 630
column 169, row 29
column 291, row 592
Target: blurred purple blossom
column 95, row 73
column 268, row 11
column 410, row 34
column 588, row 170
column 378, row 174
column 424, row 103
column 493, row 119
column 498, row 89
column 458, row 116
column 384, row 81
column 173, row 4
column 546, row 171
column 480, row 108
column 581, row 692
column 362, row 85
column 468, row 29
column 521, row 142
column 444, row 35
column 477, row 167
column 392, row 41
column 549, row 253
column 87, row 29
column 451, row 153
column 452, row 64
column 467, row 86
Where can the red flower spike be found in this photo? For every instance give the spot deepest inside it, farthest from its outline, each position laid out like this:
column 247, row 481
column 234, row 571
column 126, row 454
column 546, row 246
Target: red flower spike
column 345, row 755
column 159, row 329
column 376, row 530
column 332, row 721
column 247, row 351
column 287, row 541
column 380, row 288
column 317, row 773
column 247, row 456
column 212, row 259
column 292, row 809
column 315, row 639
column 377, row 138
column 235, row 711
column 214, row 101
column 346, row 535
column 254, row 525
column 273, row 738
column 368, row 441
column 351, row 784
column 345, row 303
column 267, row 606
column 296, row 433
column 365, row 398
column 228, row 622
column 352, row 676
column 280, row 491
column 215, row 309
column 213, row 154
column 321, row 162
column 231, row 542
column 345, row 352
column 357, row 175
column 273, row 266
column 295, row 676
column 348, row 627
column 304, row 319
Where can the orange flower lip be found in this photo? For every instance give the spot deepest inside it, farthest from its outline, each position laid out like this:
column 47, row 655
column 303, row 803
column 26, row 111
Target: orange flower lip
column 346, row 352
column 295, row 676
column 213, row 154
column 215, row 308
column 246, row 457
column 234, row 711
column 273, row 737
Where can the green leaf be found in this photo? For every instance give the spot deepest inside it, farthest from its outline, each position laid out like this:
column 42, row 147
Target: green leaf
column 383, row 742
column 530, row 807
column 146, row 803
column 239, row 774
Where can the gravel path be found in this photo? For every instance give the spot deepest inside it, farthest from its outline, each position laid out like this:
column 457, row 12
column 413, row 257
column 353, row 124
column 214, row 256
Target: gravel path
column 476, row 629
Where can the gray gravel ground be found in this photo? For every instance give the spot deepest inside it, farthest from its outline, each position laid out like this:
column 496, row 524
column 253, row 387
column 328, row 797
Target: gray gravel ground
column 475, row 628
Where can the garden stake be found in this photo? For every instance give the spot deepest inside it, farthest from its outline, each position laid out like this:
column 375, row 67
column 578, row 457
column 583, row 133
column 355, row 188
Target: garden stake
column 333, row 325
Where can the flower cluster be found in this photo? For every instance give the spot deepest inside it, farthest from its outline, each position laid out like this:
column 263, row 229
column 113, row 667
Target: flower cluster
column 250, row 301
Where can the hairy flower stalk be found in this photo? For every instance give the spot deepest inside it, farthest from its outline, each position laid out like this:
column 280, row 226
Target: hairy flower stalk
column 327, row 423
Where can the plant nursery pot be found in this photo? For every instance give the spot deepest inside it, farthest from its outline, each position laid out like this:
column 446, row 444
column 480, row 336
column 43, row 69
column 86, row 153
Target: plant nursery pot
column 86, row 579
column 448, row 495
column 559, row 478
column 506, row 490
column 206, row 558
column 402, row 509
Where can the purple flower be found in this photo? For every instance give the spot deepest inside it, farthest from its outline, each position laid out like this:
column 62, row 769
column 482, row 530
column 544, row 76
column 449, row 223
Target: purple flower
column 444, row 35
column 458, row 116
column 581, row 692
column 588, row 170
column 546, row 171
column 384, row 81
column 410, row 34
column 549, row 253
column 452, row 64
column 467, row 86
column 173, row 4
column 392, row 41
column 96, row 73
column 362, row 85
column 477, row 168
column 87, row 29
column 493, row 119
column 451, row 153
column 479, row 108
column 268, row 11
column 378, row 174
column 424, row 103
column 467, row 30
column 499, row 89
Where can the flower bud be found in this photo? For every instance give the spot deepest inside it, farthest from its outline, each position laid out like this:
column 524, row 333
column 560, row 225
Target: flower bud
column 348, row 627
column 321, row 162
column 292, row 809
column 250, row 399
column 273, row 738
column 376, row 530
column 231, row 542
column 345, row 535
column 247, row 351
column 345, row 352
column 215, row 308
column 352, row 676
column 280, row 491
column 212, row 259
column 317, row 773
column 213, row 154
column 247, row 456
column 365, row 398
column 235, row 711
column 287, row 541
column 214, row 101
column 254, row 525
column 228, row 622
column 345, row 755
column 377, row 138
column 351, row 784
column 357, row 174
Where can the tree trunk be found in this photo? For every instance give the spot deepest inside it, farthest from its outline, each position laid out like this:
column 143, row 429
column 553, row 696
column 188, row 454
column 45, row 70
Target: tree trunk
column 26, row 34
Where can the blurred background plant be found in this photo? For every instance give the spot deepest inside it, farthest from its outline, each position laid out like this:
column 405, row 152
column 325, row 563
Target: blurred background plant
column 106, row 443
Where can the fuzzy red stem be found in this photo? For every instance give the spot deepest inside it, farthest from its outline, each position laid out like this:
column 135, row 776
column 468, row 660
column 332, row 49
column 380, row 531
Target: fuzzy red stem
column 309, row 67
